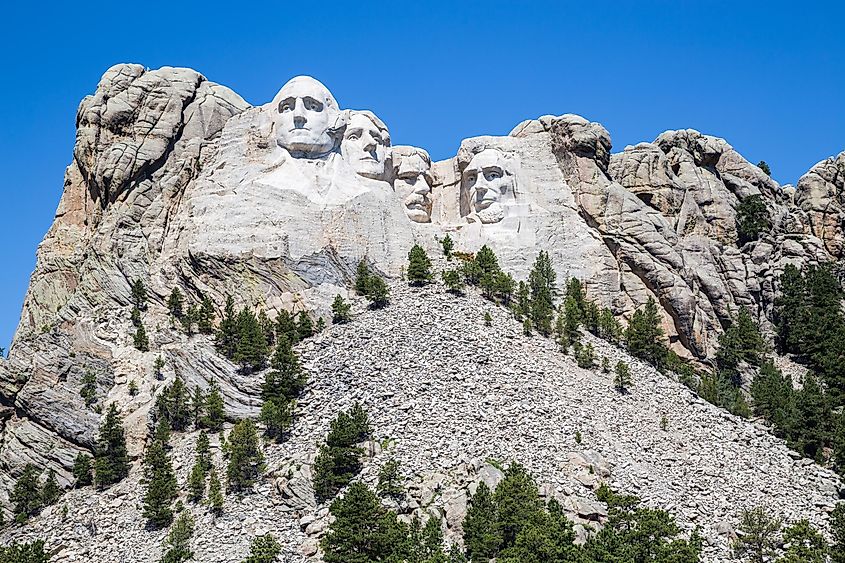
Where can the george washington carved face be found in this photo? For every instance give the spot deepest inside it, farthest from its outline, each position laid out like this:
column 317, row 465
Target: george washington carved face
column 489, row 181
column 305, row 113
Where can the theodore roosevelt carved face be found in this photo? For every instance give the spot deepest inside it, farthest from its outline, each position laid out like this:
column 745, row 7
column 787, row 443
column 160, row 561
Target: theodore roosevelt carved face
column 305, row 114
column 489, row 181
column 365, row 146
column 413, row 182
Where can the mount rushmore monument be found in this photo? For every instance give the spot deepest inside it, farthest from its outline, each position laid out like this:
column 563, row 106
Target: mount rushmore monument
column 177, row 181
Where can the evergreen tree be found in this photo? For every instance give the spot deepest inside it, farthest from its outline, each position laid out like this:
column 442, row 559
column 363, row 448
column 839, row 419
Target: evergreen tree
column 139, row 294
column 338, row 460
column 215, row 493
column 162, row 433
column 196, row 481
column 50, row 491
column 609, row 327
column 526, row 326
column 215, row 412
column 839, row 445
column 752, row 218
column 471, row 271
column 26, row 494
column 488, row 319
column 808, row 423
column 205, row 316
column 363, row 531
column 268, row 327
column 286, row 379
column 140, row 340
column 286, row 328
column 585, row 356
column 487, row 261
column 178, row 540
column 160, row 486
column 759, row 536
column 173, row 405
column 804, row 544
column 88, row 391
column 111, row 461
column 773, row 396
column 377, row 292
column 263, row 549
column 320, row 326
column 453, row 280
column 517, row 503
column 741, row 343
column 837, row 534
column 226, row 338
column 644, row 335
column 251, row 349
column 481, row 535
column 541, row 282
column 246, row 462
column 135, row 316
column 762, row 165
column 304, row 326
column 189, row 319
column 203, row 451
column 175, row 303
column 362, row 278
column 419, row 266
column 390, row 480
column 623, row 377
column 340, row 310
column 448, row 246
column 277, row 417
column 82, row 470
column 503, row 286
column 31, row 552
column 157, row 367
column 522, row 307
column 197, row 406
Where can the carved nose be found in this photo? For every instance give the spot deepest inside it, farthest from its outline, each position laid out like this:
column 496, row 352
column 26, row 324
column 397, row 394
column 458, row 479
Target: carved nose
column 422, row 187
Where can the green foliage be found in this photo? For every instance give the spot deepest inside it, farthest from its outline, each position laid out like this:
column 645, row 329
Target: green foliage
column 135, row 316
column 804, row 544
column 585, row 356
column 304, row 326
column 82, row 470
column 419, row 266
column 282, row 385
column 140, row 340
column 175, row 303
column 26, row 494
column 488, row 319
column 837, row 534
column 741, row 343
column 215, row 493
column 340, row 310
column 139, row 294
column 605, row 364
column 526, row 327
column 758, row 539
column 277, row 417
column 178, row 542
column 390, row 480
column 517, row 503
column 88, row 391
column 246, row 462
column 189, row 319
column 215, row 412
column 764, row 167
column 752, row 218
column 522, row 304
column 196, row 481
column 378, row 293
column 226, row 339
column 454, row 281
column 206, row 316
column 203, row 452
column 133, row 388
column 160, row 486
column 251, row 348
column 644, row 335
column 263, row 549
column 363, row 531
column 362, row 278
column 112, row 461
column 541, row 283
column 30, row 552
column 338, row 461
column 448, row 246
column 622, row 379
column 50, row 491
column 173, row 405
column 157, row 367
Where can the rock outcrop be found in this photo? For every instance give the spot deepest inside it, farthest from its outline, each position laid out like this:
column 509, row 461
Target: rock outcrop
column 178, row 182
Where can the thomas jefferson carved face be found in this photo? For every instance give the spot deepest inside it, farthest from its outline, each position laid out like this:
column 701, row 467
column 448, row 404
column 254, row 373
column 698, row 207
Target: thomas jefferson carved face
column 365, row 144
column 306, row 110
column 413, row 182
column 490, row 184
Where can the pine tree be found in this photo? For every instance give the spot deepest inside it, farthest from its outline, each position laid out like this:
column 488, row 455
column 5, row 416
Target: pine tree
column 623, row 377
column 752, row 218
column 644, row 335
column 764, row 167
column 263, row 549
column 448, row 246
column 162, row 432
column 419, row 266
column 541, row 282
column 773, row 396
column 226, row 338
column 340, row 310
column 526, row 326
column 246, row 462
column 741, row 343
column 338, row 460
column 363, row 531
column 173, row 405
column 453, row 280
column 320, row 326
column 197, row 406
column 160, row 486
column 26, row 494
column 481, row 535
column 304, row 326
column 809, row 422
column 30, row 552
column 390, row 480
column 111, row 461
column 277, row 417
column 251, row 349
column 215, row 412
column 196, row 481
column 205, row 318
column 189, row 319
column 135, row 317
column 175, row 303
column 585, row 356
column 51, row 491
column 140, row 340
column 139, row 294
column 286, row 328
column 609, row 328
column 88, row 391
column 839, row 445
column 837, row 534
column 758, row 541
column 487, row 261
column 286, row 379
column 178, row 540
column 362, row 278
column 215, row 493
column 488, row 319
column 82, row 470
column 268, row 327
column 803, row 544
column 203, row 451
column 377, row 292
column 157, row 367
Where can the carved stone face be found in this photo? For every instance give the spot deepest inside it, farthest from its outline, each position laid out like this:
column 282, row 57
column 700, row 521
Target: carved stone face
column 365, row 145
column 413, row 182
column 306, row 110
column 490, row 185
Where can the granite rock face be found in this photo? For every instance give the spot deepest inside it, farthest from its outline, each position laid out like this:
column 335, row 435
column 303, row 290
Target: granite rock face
column 178, row 182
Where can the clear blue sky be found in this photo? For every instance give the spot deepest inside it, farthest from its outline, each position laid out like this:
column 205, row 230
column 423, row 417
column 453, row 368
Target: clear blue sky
column 767, row 76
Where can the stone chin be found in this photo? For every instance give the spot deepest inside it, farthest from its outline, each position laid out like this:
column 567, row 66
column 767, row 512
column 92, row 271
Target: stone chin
column 304, row 117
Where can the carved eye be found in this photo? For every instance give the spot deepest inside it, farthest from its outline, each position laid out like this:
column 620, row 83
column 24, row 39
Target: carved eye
column 285, row 107
column 354, row 137
column 312, row 106
column 471, row 178
column 493, row 175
